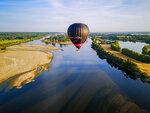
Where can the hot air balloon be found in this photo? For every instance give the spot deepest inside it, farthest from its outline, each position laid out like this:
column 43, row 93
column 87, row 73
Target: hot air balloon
column 78, row 33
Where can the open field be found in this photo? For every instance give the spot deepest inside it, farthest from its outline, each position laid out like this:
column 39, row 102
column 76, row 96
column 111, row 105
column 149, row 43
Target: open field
column 144, row 67
column 8, row 41
column 23, row 59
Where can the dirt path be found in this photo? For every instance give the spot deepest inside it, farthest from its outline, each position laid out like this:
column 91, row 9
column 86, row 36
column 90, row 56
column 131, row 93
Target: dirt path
column 144, row 67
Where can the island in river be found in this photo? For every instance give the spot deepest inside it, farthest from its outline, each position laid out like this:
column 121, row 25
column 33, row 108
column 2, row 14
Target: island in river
column 24, row 61
column 60, row 39
column 144, row 67
column 64, row 43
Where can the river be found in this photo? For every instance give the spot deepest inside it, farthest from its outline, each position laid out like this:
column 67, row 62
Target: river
column 77, row 82
column 135, row 46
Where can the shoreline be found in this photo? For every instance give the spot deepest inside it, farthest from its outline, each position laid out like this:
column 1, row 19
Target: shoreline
column 26, row 77
column 130, row 68
column 144, row 67
column 23, row 73
column 24, row 58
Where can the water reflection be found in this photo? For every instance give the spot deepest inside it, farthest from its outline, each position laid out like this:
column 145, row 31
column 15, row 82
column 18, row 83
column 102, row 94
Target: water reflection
column 57, row 44
column 127, row 73
column 75, row 92
column 20, row 80
column 62, row 45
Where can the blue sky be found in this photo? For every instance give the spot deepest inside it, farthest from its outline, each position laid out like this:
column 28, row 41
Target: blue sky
column 57, row 15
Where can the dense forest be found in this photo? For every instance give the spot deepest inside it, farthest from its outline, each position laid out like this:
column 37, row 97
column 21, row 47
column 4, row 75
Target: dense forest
column 13, row 38
column 131, row 36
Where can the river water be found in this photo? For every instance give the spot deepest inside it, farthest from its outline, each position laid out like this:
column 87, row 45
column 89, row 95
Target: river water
column 77, row 82
column 135, row 46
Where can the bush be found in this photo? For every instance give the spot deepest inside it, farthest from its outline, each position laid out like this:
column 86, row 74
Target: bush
column 3, row 48
column 115, row 46
column 146, row 50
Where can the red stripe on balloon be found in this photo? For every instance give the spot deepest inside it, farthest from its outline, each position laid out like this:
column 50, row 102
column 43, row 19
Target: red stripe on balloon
column 74, row 39
column 78, row 45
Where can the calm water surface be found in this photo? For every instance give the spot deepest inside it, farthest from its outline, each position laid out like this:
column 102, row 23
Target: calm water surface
column 77, row 82
column 135, row 46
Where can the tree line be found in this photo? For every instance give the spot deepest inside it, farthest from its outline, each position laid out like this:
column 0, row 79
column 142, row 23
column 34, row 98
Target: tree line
column 135, row 55
column 58, row 38
column 141, row 36
column 20, row 35
column 13, row 38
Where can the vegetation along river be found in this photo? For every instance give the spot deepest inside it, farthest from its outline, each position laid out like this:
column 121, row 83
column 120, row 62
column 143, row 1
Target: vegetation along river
column 77, row 82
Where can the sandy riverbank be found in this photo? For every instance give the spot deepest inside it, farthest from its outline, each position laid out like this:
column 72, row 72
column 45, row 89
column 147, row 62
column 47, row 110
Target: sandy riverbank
column 24, row 59
column 144, row 67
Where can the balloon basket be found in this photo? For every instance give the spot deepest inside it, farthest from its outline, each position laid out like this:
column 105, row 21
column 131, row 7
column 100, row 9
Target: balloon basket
column 78, row 50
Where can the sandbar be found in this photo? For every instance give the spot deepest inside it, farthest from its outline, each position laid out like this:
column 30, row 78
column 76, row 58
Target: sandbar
column 24, row 58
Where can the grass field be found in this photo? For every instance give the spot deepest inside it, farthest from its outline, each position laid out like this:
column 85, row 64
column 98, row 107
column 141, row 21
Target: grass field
column 8, row 41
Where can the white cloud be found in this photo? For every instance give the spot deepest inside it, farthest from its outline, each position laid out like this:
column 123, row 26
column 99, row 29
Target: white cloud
column 99, row 15
column 54, row 3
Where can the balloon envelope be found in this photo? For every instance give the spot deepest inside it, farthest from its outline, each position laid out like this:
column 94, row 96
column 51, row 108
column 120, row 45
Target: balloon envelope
column 78, row 33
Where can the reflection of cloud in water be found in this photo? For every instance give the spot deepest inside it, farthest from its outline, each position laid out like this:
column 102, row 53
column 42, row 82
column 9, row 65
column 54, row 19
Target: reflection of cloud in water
column 58, row 60
column 79, row 62
column 78, row 92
